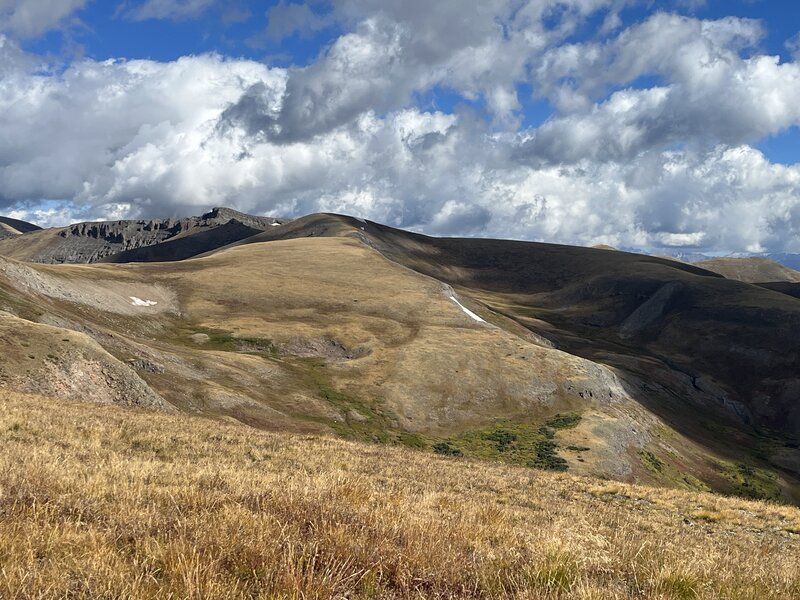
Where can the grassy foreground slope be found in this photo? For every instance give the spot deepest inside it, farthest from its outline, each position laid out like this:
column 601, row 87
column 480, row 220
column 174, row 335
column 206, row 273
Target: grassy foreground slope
column 105, row 502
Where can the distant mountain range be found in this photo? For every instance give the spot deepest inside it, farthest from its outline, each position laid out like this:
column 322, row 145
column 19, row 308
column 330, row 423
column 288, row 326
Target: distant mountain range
column 786, row 259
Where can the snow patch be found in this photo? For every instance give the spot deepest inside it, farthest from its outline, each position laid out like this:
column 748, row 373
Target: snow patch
column 275, row 224
column 467, row 311
column 139, row 302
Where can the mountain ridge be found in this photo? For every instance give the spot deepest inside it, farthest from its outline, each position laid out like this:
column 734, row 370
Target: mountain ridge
column 752, row 269
column 666, row 373
column 94, row 241
column 11, row 228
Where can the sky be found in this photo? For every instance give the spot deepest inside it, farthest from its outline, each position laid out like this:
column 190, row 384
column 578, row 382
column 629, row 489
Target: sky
column 669, row 126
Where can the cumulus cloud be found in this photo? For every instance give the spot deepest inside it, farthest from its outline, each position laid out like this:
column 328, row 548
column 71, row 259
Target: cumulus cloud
column 793, row 45
column 675, row 47
column 709, row 93
column 397, row 49
column 30, row 18
column 112, row 131
column 662, row 164
column 732, row 102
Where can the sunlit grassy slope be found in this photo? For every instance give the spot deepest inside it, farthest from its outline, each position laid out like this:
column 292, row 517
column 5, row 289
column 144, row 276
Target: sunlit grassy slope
column 751, row 269
column 105, row 502
column 313, row 334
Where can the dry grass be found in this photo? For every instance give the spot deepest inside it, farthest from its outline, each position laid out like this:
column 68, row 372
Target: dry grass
column 409, row 361
column 751, row 270
column 103, row 502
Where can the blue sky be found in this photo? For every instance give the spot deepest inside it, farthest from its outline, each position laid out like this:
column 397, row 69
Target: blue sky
column 668, row 125
column 108, row 33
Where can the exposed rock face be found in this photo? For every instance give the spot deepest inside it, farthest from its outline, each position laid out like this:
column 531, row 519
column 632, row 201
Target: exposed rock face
column 91, row 242
column 68, row 364
column 197, row 241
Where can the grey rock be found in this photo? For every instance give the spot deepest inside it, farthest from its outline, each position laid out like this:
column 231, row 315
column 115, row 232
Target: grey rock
column 95, row 241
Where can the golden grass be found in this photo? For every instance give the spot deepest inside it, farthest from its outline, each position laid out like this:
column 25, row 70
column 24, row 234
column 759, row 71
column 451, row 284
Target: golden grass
column 104, row 502
column 417, row 364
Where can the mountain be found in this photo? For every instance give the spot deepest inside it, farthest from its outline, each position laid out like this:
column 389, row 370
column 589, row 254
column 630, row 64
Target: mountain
column 11, row 228
column 95, row 241
column 198, row 242
column 752, row 269
column 683, row 256
column 786, row 259
column 784, row 287
column 602, row 363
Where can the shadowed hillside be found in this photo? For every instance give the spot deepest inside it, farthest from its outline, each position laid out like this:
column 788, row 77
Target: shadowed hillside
column 784, row 287
column 11, row 228
column 552, row 357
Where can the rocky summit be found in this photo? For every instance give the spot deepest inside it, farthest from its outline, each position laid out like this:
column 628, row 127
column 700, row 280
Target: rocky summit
column 96, row 241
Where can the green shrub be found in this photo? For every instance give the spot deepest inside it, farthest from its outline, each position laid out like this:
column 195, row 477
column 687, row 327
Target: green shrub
column 546, row 457
column 445, row 449
column 564, row 421
column 502, row 438
column 651, row 461
column 411, row 440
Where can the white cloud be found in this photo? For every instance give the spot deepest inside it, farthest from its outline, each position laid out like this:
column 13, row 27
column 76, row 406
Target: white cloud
column 793, row 45
column 230, row 11
column 660, row 166
column 396, row 49
column 30, row 18
column 107, row 132
column 677, row 48
column 708, row 94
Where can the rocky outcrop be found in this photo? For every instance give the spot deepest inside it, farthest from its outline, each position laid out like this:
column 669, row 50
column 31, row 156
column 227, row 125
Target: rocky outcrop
column 95, row 241
column 51, row 361
column 198, row 241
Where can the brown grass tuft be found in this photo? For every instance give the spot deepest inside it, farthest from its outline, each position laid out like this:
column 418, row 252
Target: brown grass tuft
column 103, row 502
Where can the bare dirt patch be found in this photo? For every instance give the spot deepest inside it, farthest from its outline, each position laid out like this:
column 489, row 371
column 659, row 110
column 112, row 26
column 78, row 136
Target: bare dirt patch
column 82, row 286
